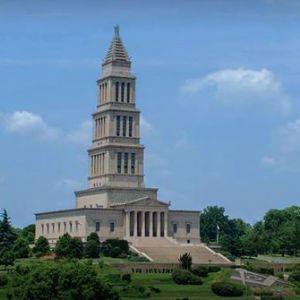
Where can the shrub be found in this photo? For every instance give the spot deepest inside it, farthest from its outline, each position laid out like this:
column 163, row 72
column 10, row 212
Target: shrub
column 21, row 248
column 227, row 289
column 214, row 269
column 200, row 271
column 69, row 247
column 272, row 298
column 22, row 269
column 115, row 252
column 185, row 261
column 185, row 277
column 112, row 243
column 263, row 292
column 126, row 277
column 154, row 289
column 3, row 280
column 91, row 249
column 295, row 276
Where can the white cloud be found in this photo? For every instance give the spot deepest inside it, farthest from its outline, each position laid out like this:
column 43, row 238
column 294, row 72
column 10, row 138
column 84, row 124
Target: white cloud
column 242, row 87
column 289, row 137
column 82, row 135
column 146, row 126
column 24, row 122
column 28, row 123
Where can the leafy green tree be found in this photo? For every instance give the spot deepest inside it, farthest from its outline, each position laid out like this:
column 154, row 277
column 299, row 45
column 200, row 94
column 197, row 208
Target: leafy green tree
column 41, row 246
column 7, row 259
column 92, row 246
column 21, row 248
column 60, row 281
column 186, row 261
column 28, row 233
column 69, row 247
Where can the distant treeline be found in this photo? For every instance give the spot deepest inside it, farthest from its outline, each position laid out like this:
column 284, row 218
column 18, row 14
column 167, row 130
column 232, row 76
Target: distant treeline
column 278, row 232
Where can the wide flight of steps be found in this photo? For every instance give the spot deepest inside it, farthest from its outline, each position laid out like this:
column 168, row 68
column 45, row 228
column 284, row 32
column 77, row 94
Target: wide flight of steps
column 168, row 250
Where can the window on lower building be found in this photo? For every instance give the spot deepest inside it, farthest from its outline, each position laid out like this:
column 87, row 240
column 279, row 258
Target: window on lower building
column 174, row 228
column 58, row 227
column 119, row 162
column 47, row 228
column 65, row 226
column 53, row 227
column 71, row 225
column 97, row 229
column 42, row 228
column 125, row 162
column 118, row 127
column 76, row 226
column 132, row 163
column 188, row 228
column 112, row 227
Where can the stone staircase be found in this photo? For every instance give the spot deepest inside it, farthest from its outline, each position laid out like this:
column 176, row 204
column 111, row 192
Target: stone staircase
column 168, row 250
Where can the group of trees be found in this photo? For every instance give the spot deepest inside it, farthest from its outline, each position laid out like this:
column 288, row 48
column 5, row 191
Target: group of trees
column 278, row 232
column 14, row 243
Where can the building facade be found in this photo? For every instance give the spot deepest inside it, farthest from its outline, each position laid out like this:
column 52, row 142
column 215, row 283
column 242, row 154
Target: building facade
column 116, row 203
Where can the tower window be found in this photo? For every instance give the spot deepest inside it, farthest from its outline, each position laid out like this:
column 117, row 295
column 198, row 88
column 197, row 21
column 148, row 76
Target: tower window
column 124, row 125
column 118, row 125
column 188, row 228
column 112, row 227
column 126, row 163
column 128, row 92
column 117, row 91
column 122, row 91
column 130, row 126
column 97, row 226
column 132, row 163
column 119, row 162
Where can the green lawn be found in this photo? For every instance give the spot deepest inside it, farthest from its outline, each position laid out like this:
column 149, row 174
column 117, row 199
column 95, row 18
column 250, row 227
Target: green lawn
column 279, row 259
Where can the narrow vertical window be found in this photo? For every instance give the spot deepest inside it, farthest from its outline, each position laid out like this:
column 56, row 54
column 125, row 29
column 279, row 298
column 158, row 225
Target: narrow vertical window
column 117, row 91
column 122, row 91
column 128, row 92
column 71, row 226
column 124, row 125
column 130, row 126
column 112, row 227
column 188, row 228
column 174, row 228
column 65, row 226
column 105, row 91
column 42, row 228
column 47, row 228
column 119, row 162
column 76, row 226
column 126, row 163
column 118, row 127
column 132, row 163
column 53, row 227
column 58, row 227
column 97, row 229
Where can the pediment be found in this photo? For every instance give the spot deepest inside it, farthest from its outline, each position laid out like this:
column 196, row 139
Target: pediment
column 143, row 202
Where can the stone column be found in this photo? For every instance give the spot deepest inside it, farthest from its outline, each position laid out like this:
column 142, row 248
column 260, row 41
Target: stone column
column 158, row 224
column 150, row 224
column 166, row 224
column 143, row 223
column 127, row 223
column 135, row 223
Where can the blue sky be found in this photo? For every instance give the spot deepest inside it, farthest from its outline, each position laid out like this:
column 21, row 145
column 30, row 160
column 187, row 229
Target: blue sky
column 217, row 83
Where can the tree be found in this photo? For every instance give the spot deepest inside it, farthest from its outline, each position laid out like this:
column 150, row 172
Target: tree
column 41, row 246
column 185, row 261
column 92, row 246
column 69, row 247
column 60, row 281
column 28, row 233
column 7, row 259
column 7, row 234
column 21, row 248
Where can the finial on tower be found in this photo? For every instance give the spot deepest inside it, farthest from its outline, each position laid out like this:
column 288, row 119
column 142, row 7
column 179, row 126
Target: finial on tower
column 117, row 31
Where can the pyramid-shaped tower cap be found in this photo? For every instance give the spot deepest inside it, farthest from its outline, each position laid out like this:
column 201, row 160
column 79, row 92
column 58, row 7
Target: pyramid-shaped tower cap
column 116, row 51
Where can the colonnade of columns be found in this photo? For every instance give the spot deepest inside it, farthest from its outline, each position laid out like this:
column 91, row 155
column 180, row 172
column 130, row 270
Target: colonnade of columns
column 146, row 223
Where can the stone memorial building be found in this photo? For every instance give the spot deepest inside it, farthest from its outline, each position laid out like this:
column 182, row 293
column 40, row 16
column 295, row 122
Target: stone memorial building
column 116, row 203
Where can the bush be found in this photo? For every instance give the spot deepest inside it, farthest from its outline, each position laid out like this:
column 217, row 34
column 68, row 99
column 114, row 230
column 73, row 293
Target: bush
column 126, row 277
column 91, row 249
column 185, row 277
column 3, row 280
column 154, row 289
column 263, row 292
column 112, row 243
column 115, row 252
column 227, row 289
column 295, row 276
column 186, row 261
column 69, row 247
column 214, row 269
column 200, row 271
column 272, row 298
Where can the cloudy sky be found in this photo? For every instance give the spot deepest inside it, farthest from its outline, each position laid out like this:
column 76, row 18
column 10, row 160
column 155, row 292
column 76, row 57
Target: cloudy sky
column 217, row 83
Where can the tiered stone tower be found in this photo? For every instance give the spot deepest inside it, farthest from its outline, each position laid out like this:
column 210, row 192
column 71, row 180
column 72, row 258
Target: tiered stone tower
column 116, row 155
